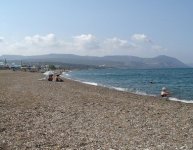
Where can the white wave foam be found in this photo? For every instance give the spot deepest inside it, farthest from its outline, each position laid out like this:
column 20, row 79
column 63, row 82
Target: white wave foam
column 120, row 89
column 66, row 75
column 144, row 93
column 131, row 91
column 140, row 93
column 179, row 100
column 91, row 83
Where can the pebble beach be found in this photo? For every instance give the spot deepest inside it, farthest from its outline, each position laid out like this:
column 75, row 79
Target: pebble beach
column 71, row 115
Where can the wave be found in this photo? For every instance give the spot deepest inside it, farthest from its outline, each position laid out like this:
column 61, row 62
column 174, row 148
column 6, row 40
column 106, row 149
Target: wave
column 119, row 88
column 66, row 75
column 131, row 91
column 145, row 94
column 180, row 100
column 140, row 93
column 91, row 83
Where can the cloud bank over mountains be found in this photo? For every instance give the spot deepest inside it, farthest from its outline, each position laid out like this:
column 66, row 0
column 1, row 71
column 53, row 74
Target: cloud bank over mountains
column 84, row 44
column 1, row 39
column 141, row 38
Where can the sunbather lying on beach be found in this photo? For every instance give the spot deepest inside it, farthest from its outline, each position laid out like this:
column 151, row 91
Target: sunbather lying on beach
column 50, row 78
column 58, row 79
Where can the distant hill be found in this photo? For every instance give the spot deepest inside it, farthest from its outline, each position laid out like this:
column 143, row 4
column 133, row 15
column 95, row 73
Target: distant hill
column 107, row 61
column 190, row 65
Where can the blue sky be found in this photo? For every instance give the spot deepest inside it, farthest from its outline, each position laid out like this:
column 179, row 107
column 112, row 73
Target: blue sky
column 144, row 28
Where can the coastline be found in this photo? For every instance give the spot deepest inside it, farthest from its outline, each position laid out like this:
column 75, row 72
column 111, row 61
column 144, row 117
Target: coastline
column 66, row 76
column 72, row 115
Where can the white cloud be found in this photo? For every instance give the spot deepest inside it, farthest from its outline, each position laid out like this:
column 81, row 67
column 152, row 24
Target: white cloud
column 34, row 45
column 158, row 48
column 85, row 37
column 84, row 44
column 145, row 43
column 2, row 39
column 115, row 43
column 39, row 40
column 141, row 38
column 118, row 44
column 86, row 41
column 146, row 47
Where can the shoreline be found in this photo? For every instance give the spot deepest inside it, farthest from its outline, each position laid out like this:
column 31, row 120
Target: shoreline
column 125, row 90
column 71, row 115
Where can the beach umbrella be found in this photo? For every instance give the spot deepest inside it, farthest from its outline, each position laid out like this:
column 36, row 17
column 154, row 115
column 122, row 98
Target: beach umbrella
column 47, row 73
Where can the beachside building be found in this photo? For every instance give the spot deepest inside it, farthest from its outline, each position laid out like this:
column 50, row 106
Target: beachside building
column 2, row 64
column 34, row 68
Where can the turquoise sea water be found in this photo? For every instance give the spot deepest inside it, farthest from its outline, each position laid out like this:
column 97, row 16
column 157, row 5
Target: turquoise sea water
column 141, row 81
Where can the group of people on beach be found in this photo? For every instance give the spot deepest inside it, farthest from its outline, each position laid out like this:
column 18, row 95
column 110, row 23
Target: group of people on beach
column 164, row 91
column 56, row 78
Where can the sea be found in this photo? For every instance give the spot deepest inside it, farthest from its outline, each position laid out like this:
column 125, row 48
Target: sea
column 140, row 81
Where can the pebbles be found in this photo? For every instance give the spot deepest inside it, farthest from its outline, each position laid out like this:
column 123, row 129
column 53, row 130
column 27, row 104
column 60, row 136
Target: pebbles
column 70, row 115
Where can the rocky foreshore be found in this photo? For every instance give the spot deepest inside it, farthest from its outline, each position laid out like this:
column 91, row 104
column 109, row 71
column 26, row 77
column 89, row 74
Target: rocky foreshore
column 71, row 115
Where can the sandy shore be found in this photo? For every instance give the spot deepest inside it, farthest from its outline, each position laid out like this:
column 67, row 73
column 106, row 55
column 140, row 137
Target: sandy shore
column 70, row 115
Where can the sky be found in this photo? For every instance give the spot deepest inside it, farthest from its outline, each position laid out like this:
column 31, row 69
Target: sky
column 144, row 28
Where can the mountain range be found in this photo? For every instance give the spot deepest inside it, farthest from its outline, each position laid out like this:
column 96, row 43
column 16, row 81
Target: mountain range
column 119, row 61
